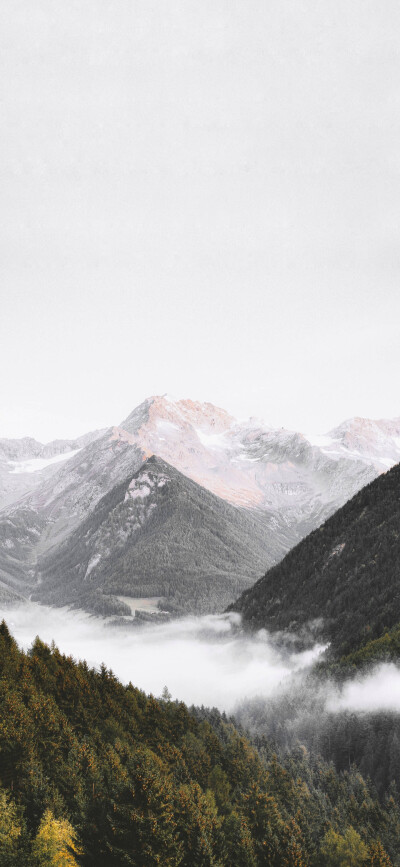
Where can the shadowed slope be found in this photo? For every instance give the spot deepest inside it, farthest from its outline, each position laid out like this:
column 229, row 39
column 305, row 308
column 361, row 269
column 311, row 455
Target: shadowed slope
column 345, row 574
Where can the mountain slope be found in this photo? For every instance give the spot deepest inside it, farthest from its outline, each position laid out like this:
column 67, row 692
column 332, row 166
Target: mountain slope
column 25, row 463
column 50, row 511
column 158, row 534
column 345, row 576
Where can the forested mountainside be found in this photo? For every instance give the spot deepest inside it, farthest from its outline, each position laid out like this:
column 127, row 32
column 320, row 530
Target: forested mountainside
column 346, row 711
column 345, row 576
column 158, row 534
column 96, row 774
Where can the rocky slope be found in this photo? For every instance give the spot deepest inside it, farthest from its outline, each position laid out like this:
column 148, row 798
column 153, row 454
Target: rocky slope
column 25, row 463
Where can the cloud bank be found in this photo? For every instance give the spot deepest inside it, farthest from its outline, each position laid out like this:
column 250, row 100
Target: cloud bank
column 205, row 660
column 202, row 660
column 379, row 690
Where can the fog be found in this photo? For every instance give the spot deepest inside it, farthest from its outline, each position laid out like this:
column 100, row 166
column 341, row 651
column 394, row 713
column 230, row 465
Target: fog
column 202, row 660
column 311, row 705
column 379, row 690
column 208, row 660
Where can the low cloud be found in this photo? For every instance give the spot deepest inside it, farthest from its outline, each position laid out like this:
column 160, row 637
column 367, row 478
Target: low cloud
column 203, row 660
column 379, row 690
column 208, row 660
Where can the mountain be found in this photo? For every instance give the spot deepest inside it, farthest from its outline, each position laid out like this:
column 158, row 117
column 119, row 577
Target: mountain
column 292, row 481
column 255, row 466
column 158, row 534
column 25, row 463
column 343, row 580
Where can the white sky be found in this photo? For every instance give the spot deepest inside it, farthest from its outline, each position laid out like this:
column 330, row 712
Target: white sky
column 200, row 197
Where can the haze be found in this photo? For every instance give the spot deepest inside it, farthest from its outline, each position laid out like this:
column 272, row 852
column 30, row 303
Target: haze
column 200, row 198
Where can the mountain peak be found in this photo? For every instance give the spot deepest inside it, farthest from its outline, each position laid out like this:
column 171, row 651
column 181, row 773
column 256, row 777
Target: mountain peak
column 184, row 412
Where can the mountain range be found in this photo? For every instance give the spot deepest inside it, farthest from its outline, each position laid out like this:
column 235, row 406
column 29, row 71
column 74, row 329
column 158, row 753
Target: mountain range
column 78, row 524
column 117, row 777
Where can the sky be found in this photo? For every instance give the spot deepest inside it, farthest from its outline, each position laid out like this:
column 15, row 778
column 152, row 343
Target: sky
column 199, row 197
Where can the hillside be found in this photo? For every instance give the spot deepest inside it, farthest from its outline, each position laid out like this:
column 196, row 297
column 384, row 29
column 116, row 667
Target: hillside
column 97, row 774
column 344, row 577
column 158, row 534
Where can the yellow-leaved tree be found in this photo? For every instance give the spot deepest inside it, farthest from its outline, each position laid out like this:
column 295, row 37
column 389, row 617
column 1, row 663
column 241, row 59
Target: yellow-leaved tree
column 55, row 844
column 344, row 850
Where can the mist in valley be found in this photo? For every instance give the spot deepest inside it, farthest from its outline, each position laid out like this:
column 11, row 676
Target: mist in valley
column 274, row 691
column 206, row 660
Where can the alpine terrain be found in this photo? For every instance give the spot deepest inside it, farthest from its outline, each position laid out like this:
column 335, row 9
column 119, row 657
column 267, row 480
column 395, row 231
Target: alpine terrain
column 73, row 529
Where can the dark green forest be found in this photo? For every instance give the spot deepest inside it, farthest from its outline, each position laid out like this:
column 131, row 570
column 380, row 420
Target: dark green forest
column 343, row 580
column 99, row 774
column 307, row 713
column 342, row 585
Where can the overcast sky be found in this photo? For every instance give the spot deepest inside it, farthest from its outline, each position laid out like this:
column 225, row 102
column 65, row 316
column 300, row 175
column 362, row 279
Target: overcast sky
column 200, row 197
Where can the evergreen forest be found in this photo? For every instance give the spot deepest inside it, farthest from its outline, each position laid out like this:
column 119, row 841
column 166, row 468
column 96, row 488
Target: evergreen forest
column 98, row 774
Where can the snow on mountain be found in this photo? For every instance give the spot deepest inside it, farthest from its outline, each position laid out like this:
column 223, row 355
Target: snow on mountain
column 25, row 463
column 371, row 440
column 255, row 466
column 34, row 465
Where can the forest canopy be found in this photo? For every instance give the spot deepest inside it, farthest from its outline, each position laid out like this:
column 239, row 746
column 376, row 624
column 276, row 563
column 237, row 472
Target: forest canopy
column 98, row 774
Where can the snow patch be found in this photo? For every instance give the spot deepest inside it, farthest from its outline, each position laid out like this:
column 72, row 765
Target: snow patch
column 166, row 426
column 92, row 563
column 246, row 458
column 137, row 493
column 319, row 440
column 387, row 462
column 34, row 465
column 212, row 441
